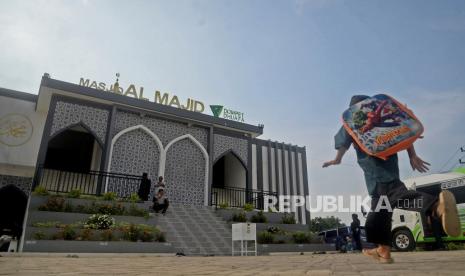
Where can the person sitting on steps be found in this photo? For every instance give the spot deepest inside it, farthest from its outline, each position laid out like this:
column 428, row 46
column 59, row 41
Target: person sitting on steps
column 160, row 202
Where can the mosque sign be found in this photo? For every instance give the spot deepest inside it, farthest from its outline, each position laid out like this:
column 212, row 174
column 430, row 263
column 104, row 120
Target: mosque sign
column 220, row 112
column 163, row 98
column 138, row 93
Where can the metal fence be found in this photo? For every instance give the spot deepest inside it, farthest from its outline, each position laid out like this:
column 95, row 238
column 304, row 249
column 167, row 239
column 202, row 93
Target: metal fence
column 89, row 183
column 238, row 197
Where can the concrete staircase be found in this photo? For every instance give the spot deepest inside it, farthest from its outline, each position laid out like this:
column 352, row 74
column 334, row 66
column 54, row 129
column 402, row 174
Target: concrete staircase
column 195, row 230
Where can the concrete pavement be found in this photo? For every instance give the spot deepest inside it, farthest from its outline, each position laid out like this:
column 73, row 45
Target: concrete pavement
column 412, row 263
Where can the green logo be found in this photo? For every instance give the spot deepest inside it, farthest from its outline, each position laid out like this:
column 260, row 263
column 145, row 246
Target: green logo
column 216, row 109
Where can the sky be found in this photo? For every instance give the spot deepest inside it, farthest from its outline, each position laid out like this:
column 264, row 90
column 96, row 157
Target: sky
column 291, row 65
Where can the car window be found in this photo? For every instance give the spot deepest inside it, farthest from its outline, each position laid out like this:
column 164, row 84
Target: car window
column 331, row 233
column 343, row 231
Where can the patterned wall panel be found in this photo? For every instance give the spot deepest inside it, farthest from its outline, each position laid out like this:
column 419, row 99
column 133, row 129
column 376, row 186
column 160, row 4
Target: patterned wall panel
column 185, row 173
column 67, row 114
column 225, row 143
column 24, row 183
column 135, row 152
column 166, row 130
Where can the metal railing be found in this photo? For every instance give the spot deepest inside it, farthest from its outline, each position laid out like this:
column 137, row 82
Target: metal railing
column 238, row 197
column 89, row 183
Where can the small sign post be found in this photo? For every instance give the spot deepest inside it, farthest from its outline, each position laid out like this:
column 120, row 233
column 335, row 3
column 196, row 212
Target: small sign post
column 244, row 232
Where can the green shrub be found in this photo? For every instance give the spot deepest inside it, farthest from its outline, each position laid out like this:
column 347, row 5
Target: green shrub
column 146, row 235
column 273, row 229
column 80, row 209
column 224, row 205
column 86, row 234
column 40, row 190
column 259, row 218
column 108, row 209
column 270, row 210
column 76, row 193
column 248, row 207
column 137, row 212
column 107, row 235
column 46, row 224
column 134, row 198
column 301, row 237
column 68, row 207
column 111, row 196
column 99, row 221
column 39, row 235
column 314, row 238
column 131, row 232
column 265, row 237
column 239, row 217
column 455, row 246
column 288, row 219
column 68, row 233
column 53, row 204
column 160, row 237
column 306, row 237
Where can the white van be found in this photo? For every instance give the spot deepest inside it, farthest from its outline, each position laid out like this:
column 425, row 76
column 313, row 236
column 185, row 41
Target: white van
column 409, row 229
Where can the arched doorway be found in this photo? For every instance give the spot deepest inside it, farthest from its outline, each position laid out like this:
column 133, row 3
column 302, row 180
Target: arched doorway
column 13, row 203
column 186, row 171
column 134, row 151
column 71, row 155
column 229, row 180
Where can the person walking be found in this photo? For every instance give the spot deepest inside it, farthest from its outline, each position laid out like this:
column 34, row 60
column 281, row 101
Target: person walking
column 355, row 229
column 384, row 186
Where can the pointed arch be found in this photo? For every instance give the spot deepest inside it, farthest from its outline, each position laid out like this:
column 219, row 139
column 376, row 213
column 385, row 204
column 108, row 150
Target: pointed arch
column 78, row 124
column 235, row 155
column 204, row 153
column 133, row 128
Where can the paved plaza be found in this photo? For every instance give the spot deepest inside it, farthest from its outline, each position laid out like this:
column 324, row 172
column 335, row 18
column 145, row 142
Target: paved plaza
column 415, row 263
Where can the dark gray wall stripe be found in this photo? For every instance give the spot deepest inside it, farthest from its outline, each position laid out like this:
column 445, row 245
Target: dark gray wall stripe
column 248, row 184
column 106, row 150
column 211, row 138
column 259, row 159
column 276, row 167
column 18, row 95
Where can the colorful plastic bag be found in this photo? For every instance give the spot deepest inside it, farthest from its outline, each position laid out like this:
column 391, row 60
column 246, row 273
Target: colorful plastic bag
column 381, row 126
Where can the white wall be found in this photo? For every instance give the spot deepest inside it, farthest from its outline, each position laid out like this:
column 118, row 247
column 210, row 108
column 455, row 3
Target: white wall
column 234, row 172
column 21, row 131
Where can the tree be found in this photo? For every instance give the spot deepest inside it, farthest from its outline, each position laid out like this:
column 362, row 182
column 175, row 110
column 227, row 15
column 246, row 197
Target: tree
column 319, row 224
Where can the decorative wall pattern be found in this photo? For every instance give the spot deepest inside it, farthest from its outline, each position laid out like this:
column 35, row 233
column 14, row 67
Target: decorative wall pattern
column 134, row 153
column 225, row 143
column 24, row 183
column 67, row 114
column 166, row 130
column 185, row 173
